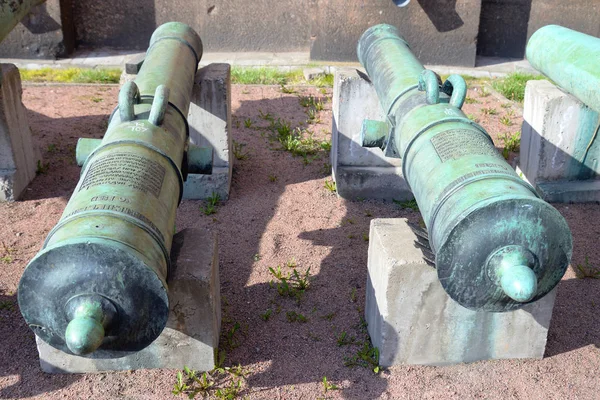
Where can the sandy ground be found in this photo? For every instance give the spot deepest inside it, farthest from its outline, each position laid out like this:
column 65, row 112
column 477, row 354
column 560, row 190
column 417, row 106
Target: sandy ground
column 280, row 213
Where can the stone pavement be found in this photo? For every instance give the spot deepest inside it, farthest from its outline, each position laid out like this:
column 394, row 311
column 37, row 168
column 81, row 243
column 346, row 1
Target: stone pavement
column 109, row 58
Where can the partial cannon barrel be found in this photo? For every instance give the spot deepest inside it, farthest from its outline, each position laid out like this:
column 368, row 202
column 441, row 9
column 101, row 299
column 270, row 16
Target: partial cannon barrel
column 98, row 287
column 570, row 59
column 497, row 245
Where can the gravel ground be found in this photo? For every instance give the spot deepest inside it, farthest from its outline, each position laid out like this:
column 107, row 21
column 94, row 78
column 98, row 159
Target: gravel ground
column 280, row 213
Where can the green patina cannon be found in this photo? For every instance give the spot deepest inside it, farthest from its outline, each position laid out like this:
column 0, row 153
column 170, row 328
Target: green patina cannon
column 570, row 59
column 98, row 287
column 497, row 245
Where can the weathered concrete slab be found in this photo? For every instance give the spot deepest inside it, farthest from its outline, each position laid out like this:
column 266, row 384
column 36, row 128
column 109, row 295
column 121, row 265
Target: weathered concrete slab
column 360, row 172
column 18, row 157
column 209, row 119
column 412, row 320
column 587, row 191
column 193, row 328
column 558, row 139
column 46, row 32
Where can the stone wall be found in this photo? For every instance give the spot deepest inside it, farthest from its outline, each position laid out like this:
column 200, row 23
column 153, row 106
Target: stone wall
column 448, row 32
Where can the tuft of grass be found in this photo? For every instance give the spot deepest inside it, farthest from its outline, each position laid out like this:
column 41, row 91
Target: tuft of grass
column 293, row 316
column 293, row 284
column 287, row 90
column 587, row 271
column 367, row 356
column 238, row 151
column 344, row 339
column 7, row 305
column 225, row 383
column 71, row 75
column 248, row 123
column 489, row 111
column 327, row 386
column 470, row 100
column 273, row 178
column 506, row 121
column 211, row 204
column 513, row 86
column 266, row 315
column 511, row 142
column 412, row 204
column 41, row 167
column 330, row 185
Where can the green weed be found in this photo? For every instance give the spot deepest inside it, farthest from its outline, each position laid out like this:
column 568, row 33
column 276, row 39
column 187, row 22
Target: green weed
column 506, row 121
column 293, row 316
column 411, row 204
column 587, row 271
column 293, row 284
column 344, row 339
column 41, row 168
column 238, row 151
column 211, row 204
column 266, row 315
column 330, row 185
column 248, row 123
column 327, row 386
column 511, row 142
column 489, row 111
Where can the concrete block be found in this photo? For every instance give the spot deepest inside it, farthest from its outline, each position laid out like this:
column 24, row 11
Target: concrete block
column 192, row 332
column 209, row 119
column 361, row 172
column 558, row 137
column 587, row 191
column 312, row 73
column 412, row 320
column 46, row 32
column 18, row 158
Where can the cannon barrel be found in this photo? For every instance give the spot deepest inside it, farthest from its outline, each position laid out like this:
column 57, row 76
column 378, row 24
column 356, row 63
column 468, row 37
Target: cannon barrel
column 570, row 59
column 98, row 287
column 11, row 12
column 497, row 245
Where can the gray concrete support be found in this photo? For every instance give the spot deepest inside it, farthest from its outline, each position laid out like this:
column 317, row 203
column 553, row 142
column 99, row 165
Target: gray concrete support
column 192, row 332
column 209, row 119
column 359, row 172
column 411, row 319
column 559, row 145
column 18, row 158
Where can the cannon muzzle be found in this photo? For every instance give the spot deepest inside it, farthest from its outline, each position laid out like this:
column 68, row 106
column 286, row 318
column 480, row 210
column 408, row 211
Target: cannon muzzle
column 497, row 245
column 98, row 287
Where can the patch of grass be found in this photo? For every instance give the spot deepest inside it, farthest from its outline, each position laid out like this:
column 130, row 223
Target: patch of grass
column 238, row 151
column 330, row 185
column 51, row 148
column 513, row 86
column 224, row 383
column 41, row 167
column 511, row 142
column 248, row 123
column 266, row 315
column 7, row 305
column 273, row 178
column 293, row 284
column 96, row 99
column 506, row 121
column 293, row 316
column 587, row 271
column 472, row 117
column 274, row 76
column 367, row 356
column 211, row 204
column 327, row 386
column 287, row 90
column 71, row 75
column 365, row 237
column 344, row 339
column 488, row 111
column 470, row 100
column 412, row 204
column 264, row 76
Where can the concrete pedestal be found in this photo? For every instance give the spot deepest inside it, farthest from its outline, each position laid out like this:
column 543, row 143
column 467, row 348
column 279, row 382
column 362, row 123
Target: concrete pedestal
column 18, row 160
column 209, row 119
column 210, row 124
column 361, row 172
column 412, row 320
column 560, row 149
column 192, row 332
